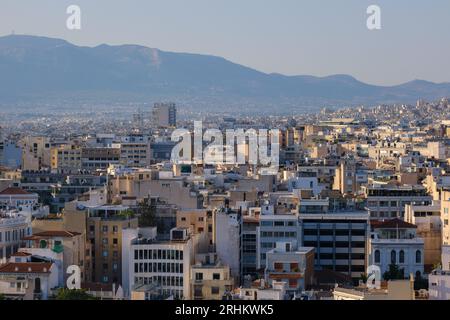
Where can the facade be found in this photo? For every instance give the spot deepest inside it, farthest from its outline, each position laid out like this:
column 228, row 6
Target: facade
column 429, row 228
column 228, row 241
column 164, row 114
column 291, row 264
column 166, row 264
column 395, row 242
column 62, row 248
column 104, row 231
column 66, row 158
column 13, row 228
column 210, row 279
column 339, row 239
column 388, row 201
column 275, row 228
column 99, row 158
column 135, row 150
column 17, row 197
column 250, row 237
column 28, row 280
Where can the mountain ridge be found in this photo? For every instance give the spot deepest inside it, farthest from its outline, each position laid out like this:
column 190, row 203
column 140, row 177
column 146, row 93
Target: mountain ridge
column 35, row 66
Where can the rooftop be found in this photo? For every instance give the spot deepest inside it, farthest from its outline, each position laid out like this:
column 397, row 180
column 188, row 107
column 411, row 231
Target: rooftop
column 26, row 267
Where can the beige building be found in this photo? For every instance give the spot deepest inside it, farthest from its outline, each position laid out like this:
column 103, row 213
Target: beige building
column 66, row 157
column 210, row 280
column 35, row 153
column 445, row 216
column 428, row 222
column 392, row 290
column 198, row 221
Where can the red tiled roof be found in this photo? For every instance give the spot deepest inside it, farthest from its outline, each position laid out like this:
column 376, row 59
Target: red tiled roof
column 52, row 233
column 395, row 223
column 13, row 190
column 26, row 267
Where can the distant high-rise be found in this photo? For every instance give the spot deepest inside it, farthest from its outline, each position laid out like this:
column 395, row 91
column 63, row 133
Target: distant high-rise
column 164, row 114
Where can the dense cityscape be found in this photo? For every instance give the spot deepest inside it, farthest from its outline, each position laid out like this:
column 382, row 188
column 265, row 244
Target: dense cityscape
column 357, row 209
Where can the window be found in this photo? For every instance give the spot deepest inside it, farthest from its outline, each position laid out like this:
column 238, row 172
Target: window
column 402, row 256
column 393, row 257
column 377, row 256
column 198, row 276
column 216, row 276
column 214, row 290
column 418, row 256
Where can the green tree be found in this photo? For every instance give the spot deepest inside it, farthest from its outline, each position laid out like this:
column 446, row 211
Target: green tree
column 2, row 297
column 147, row 214
column 73, row 294
column 394, row 273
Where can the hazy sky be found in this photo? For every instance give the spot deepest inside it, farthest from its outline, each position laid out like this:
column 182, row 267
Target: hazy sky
column 317, row 37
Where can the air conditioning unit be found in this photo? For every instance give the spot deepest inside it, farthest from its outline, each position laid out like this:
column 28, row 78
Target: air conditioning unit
column 179, row 234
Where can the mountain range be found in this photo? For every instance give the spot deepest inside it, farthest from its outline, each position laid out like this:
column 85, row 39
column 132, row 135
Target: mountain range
column 40, row 68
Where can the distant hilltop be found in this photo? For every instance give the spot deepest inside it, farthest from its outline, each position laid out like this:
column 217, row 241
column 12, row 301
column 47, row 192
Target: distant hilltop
column 40, row 68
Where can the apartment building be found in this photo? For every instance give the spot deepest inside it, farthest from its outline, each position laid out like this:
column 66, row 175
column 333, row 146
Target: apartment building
column 292, row 264
column 164, row 114
column 210, row 279
column 166, row 264
column 134, row 150
column 339, row 239
column 429, row 228
column 395, row 242
column 17, row 197
column 387, row 201
column 197, row 221
column 228, row 240
column 13, row 228
column 445, row 216
column 104, row 231
column 35, row 153
column 99, row 158
column 250, row 235
column 64, row 248
column 66, row 158
column 275, row 228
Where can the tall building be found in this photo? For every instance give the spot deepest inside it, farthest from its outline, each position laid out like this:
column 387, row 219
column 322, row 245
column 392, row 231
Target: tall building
column 164, row 114
column 339, row 239
column 273, row 228
column 146, row 261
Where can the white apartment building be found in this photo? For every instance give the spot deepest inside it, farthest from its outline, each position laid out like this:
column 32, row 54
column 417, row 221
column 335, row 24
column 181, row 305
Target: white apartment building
column 147, row 261
column 439, row 279
column 275, row 228
column 227, row 239
column 395, row 242
column 13, row 228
